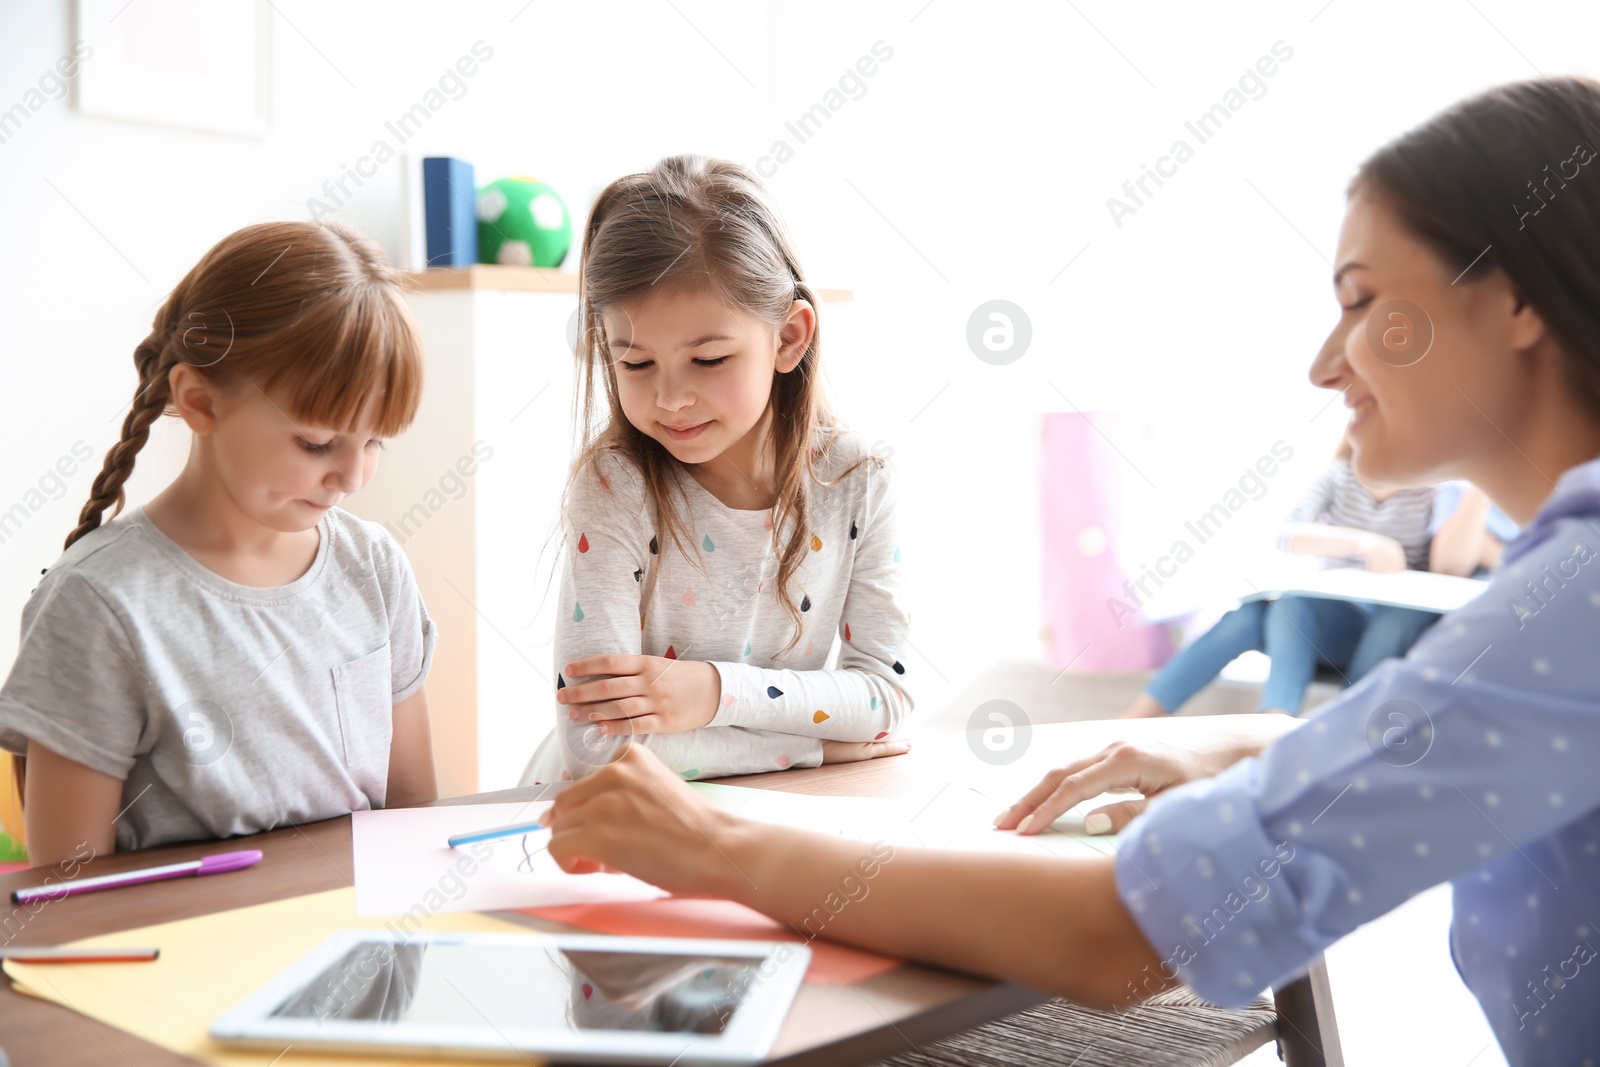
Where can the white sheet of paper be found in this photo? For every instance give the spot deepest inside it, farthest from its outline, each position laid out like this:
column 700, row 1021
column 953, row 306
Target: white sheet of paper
column 402, row 863
column 953, row 819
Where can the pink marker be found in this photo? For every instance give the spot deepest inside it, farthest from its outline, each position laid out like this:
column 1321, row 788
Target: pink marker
column 222, row 861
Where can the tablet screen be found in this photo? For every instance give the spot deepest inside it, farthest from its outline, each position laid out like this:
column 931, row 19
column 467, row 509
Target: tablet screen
column 532, row 986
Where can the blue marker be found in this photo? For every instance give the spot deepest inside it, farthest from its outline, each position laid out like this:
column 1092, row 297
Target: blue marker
column 499, row 831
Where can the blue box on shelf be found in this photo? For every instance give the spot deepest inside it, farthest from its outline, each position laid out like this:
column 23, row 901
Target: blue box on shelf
column 450, row 208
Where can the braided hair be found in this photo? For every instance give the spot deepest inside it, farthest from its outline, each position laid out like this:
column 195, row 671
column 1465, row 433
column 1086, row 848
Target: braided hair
column 312, row 310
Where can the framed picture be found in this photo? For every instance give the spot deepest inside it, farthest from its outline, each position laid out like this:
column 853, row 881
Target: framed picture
column 194, row 64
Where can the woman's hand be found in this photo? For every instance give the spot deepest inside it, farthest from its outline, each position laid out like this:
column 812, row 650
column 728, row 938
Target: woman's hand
column 1382, row 555
column 1150, row 769
column 856, row 751
column 644, row 695
column 635, row 815
column 989, row 918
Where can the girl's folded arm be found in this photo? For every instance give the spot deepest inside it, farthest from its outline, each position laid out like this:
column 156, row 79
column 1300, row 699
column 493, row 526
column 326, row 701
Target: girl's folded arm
column 1303, row 533
column 858, row 703
column 1320, row 539
column 721, row 751
column 602, row 584
column 867, row 697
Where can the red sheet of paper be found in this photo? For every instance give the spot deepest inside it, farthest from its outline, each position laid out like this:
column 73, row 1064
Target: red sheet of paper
column 831, row 964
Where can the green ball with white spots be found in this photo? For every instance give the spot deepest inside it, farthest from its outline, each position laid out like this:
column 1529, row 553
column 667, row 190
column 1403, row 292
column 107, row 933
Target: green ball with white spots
column 522, row 221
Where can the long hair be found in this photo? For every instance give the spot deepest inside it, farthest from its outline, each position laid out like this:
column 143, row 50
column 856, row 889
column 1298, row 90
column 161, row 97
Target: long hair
column 701, row 223
column 1513, row 171
column 309, row 311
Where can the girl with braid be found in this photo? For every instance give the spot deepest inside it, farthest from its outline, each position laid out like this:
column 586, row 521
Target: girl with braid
column 238, row 654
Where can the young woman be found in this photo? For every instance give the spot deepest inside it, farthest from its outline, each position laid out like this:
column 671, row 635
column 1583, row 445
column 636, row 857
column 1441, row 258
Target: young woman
column 1468, row 761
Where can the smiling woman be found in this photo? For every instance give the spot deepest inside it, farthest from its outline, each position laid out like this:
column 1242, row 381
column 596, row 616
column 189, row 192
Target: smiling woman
column 1511, row 309
column 1464, row 762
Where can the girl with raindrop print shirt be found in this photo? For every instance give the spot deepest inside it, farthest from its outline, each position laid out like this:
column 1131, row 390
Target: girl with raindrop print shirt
column 239, row 653
column 720, row 525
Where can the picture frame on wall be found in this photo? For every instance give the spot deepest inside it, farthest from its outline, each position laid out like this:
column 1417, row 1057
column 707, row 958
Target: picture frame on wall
column 191, row 64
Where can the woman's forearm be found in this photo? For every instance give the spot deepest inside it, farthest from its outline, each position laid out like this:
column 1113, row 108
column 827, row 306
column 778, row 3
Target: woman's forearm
column 1055, row 925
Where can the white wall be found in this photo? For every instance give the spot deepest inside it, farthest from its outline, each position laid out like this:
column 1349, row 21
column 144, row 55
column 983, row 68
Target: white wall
column 976, row 164
column 73, row 302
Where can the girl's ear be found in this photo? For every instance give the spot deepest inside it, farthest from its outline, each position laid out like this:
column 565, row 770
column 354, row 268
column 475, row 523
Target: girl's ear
column 194, row 397
column 795, row 335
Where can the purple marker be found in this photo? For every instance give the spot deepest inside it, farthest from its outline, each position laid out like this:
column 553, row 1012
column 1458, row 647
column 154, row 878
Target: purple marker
column 222, row 861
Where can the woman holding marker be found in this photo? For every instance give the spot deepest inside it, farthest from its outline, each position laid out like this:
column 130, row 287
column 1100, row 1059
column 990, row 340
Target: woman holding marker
column 1468, row 761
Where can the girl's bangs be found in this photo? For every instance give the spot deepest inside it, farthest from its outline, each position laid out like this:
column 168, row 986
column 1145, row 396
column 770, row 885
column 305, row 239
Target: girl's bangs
column 354, row 350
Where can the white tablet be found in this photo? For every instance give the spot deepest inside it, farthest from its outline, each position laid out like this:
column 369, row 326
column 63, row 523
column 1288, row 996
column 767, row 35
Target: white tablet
column 582, row 998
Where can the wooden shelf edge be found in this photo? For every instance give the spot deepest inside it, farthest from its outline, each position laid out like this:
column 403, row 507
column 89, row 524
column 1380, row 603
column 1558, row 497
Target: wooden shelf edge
column 492, row 276
column 503, row 278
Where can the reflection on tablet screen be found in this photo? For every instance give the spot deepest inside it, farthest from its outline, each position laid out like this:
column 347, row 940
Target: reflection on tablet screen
column 532, row 986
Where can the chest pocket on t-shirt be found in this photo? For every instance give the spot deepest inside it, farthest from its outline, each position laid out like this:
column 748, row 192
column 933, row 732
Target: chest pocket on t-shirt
column 363, row 690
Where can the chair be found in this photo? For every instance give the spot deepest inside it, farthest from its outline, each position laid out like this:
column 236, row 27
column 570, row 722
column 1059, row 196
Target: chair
column 1171, row 1029
column 13, row 843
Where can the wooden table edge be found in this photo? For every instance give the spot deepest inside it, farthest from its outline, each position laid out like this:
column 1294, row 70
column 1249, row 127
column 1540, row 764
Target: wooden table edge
column 45, row 1026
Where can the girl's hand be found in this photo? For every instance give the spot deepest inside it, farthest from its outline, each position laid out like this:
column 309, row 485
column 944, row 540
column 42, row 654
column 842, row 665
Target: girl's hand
column 1382, row 555
column 645, row 695
column 1150, row 769
column 635, row 815
column 856, row 751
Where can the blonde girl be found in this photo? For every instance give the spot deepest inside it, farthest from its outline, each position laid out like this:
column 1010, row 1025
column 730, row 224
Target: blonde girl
column 238, row 654
column 721, row 526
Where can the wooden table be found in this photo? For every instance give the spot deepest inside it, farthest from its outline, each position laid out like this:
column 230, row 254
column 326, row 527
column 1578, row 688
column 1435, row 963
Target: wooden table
column 852, row 1023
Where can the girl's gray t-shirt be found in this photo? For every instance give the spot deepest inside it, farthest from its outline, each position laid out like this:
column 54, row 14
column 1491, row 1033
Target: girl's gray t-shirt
column 1337, row 498
column 225, row 709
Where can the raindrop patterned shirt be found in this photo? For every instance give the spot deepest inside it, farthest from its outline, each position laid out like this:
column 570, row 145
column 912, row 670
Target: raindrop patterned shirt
column 716, row 600
column 1471, row 761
